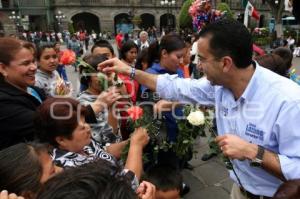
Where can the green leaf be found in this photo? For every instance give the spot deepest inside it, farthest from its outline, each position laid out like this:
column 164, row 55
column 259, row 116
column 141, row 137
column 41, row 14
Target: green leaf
column 185, row 141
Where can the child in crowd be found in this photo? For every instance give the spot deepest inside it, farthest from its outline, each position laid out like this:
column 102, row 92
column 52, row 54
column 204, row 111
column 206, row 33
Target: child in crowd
column 167, row 180
column 47, row 78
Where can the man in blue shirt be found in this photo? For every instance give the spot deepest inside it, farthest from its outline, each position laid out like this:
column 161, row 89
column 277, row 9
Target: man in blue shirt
column 257, row 111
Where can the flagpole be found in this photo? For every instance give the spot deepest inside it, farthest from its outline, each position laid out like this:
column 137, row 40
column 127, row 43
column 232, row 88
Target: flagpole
column 246, row 15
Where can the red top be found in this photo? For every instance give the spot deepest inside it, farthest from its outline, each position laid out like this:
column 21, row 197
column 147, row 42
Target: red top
column 119, row 39
column 132, row 87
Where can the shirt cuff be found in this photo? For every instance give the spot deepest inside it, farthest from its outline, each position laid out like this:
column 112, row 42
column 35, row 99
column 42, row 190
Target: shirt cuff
column 289, row 167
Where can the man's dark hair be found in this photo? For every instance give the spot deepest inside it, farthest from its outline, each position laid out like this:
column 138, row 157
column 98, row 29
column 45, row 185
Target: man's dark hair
column 229, row 38
column 164, row 177
column 97, row 180
column 103, row 44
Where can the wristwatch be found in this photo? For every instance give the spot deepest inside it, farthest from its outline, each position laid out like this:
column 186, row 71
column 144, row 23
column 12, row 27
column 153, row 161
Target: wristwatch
column 258, row 160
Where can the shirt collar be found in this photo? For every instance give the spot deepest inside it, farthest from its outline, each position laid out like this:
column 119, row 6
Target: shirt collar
column 253, row 83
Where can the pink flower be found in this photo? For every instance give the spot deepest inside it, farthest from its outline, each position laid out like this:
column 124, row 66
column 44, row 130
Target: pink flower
column 135, row 112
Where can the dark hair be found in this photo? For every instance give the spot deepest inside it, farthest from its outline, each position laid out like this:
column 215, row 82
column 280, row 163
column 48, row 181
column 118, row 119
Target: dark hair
column 92, row 60
column 103, row 44
column 41, row 48
column 287, row 56
column 272, row 62
column 57, row 117
column 97, row 180
column 9, row 46
column 141, row 58
column 20, row 167
column 127, row 46
column 170, row 42
column 288, row 190
column 229, row 38
column 164, row 177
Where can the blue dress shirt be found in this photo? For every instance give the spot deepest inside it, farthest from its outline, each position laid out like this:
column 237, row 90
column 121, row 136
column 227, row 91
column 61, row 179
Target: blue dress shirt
column 267, row 114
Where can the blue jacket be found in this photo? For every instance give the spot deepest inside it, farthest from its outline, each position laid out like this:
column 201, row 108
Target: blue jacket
column 170, row 121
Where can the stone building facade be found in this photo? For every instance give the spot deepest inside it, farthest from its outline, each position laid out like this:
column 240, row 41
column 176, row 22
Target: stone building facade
column 101, row 15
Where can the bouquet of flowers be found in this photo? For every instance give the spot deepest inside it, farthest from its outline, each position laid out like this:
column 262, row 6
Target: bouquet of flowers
column 61, row 87
column 139, row 117
column 202, row 13
column 190, row 128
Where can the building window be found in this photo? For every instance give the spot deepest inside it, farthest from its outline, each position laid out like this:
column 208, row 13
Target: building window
column 5, row 3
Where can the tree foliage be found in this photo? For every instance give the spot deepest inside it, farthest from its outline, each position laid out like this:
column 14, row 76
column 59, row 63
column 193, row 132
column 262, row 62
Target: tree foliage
column 224, row 7
column 71, row 28
column 277, row 8
column 185, row 20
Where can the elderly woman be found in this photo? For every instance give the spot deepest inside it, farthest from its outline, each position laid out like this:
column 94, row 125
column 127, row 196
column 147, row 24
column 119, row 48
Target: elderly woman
column 32, row 166
column 61, row 123
column 19, row 98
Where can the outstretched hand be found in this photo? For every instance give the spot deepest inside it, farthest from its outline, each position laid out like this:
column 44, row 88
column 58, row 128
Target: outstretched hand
column 114, row 65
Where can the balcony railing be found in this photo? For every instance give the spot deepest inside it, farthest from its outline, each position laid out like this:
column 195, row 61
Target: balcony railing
column 92, row 3
column 113, row 3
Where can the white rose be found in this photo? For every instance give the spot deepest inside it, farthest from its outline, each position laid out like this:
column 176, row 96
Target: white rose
column 196, row 118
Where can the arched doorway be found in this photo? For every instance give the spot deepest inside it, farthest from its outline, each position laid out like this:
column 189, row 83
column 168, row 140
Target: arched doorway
column 167, row 22
column 123, row 23
column 86, row 21
column 148, row 21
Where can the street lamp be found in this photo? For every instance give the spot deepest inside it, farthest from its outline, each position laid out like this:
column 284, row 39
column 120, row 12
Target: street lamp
column 16, row 19
column 169, row 4
column 59, row 17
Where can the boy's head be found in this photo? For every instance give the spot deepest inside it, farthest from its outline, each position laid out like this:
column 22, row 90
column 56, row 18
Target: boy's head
column 103, row 47
column 168, row 181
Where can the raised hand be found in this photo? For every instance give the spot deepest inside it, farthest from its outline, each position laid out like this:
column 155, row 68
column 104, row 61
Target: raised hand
column 139, row 137
column 146, row 190
column 114, row 65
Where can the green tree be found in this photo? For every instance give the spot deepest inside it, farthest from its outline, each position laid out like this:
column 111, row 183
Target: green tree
column 185, row 20
column 71, row 28
column 223, row 7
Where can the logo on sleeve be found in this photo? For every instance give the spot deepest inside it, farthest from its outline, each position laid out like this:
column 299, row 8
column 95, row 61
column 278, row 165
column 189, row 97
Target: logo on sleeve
column 253, row 132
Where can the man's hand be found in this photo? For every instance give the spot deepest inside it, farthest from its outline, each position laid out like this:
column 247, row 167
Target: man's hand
column 234, row 147
column 146, row 190
column 114, row 65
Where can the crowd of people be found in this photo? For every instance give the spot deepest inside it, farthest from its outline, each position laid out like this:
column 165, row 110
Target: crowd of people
column 58, row 144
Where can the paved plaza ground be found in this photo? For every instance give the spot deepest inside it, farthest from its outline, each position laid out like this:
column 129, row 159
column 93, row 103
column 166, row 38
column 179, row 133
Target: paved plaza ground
column 208, row 180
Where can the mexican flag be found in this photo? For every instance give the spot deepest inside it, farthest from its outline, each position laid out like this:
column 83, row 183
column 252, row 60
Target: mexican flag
column 250, row 11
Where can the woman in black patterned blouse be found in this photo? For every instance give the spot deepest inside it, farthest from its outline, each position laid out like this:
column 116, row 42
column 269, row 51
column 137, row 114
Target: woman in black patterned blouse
column 61, row 123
